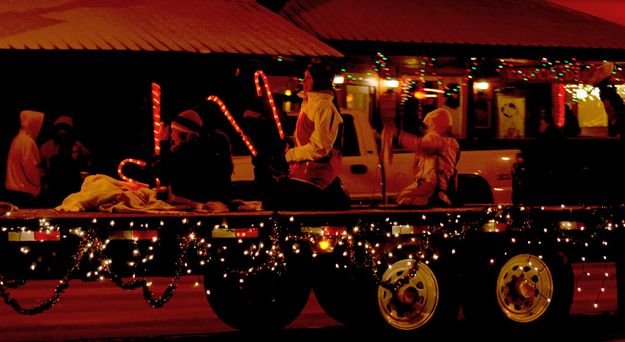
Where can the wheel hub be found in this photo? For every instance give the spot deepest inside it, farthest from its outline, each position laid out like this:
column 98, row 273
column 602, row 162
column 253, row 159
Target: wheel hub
column 525, row 288
column 519, row 293
column 408, row 295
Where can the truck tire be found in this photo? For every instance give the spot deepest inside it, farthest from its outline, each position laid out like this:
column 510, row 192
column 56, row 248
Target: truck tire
column 263, row 301
column 343, row 293
column 526, row 288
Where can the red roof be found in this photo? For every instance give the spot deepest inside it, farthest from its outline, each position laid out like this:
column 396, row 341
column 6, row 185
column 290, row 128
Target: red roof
column 531, row 23
column 199, row 26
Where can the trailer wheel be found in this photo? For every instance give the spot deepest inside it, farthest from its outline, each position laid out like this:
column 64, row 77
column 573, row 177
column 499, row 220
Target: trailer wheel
column 354, row 297
column 344, row 294
column 525, row 287
column 528, row 290
column 417, row 296
column 410, row 300
column 266, row 301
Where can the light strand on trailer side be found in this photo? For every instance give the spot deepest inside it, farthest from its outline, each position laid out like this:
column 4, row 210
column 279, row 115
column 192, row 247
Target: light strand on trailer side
column 358, row 240
column 92, row 247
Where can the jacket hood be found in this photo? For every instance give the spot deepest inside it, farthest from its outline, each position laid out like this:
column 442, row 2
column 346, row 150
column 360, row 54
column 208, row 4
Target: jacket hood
column 31, row 122
column 439, row 121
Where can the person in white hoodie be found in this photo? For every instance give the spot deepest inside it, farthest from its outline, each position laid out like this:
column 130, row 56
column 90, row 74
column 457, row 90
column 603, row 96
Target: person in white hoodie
column 436, row 155
column 23, row 173
column 315, row 160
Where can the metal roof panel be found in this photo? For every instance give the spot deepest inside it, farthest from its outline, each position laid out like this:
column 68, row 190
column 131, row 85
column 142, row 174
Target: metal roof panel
column 197, row 26
column 483, row 22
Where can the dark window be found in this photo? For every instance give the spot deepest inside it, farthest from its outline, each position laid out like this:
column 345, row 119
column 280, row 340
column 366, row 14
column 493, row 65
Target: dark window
column 350, row 139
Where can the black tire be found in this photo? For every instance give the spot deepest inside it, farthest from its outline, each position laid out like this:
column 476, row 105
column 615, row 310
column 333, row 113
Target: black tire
column 344, row 294
column 266, row 300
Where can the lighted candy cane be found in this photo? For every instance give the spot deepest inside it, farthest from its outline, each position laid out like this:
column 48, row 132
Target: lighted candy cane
column 156, row 117
column 257, row 75
column 234, row 124
column 141, row 163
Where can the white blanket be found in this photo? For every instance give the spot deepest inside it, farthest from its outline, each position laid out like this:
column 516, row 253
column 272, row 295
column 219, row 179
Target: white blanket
column 106, row 194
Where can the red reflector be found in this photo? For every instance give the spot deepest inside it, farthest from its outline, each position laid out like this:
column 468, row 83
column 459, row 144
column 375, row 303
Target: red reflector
column 144, row 234
column 34, row 236
column 246, row 233
column 334, row 231
column 48, row 236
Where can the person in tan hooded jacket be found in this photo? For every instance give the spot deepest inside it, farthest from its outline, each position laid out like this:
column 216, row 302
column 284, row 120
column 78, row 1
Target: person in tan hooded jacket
column 436, row 155
column 315, row 159
column 23, row 174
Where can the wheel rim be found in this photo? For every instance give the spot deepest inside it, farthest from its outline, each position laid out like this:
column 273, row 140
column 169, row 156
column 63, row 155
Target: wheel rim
column 408, row 301
column 524, row 288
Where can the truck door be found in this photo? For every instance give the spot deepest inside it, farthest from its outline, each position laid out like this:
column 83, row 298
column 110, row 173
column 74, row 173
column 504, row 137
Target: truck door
column 360, row 172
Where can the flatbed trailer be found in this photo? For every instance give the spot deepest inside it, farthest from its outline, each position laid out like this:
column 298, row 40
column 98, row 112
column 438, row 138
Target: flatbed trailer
column 382, row 267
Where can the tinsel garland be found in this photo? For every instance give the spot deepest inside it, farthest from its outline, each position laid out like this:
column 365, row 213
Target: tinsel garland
column 84, row 247
column 92, row 246
column 148, row 294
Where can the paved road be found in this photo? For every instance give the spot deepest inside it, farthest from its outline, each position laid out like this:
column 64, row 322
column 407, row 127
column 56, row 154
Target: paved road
column 102, row 311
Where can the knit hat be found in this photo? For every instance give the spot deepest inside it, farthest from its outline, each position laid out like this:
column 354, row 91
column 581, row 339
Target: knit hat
column 64, row 121
column 439, row 120
column 188, row 121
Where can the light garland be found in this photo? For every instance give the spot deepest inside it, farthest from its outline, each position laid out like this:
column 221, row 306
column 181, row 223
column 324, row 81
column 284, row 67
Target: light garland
column 382, row 65
column 557, row 71
column 568, row 71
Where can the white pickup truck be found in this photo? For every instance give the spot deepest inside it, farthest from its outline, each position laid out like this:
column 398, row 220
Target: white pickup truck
column 484, row 176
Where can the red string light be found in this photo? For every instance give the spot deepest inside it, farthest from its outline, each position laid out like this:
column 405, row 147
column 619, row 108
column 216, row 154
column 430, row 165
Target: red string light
column 257, row 75
column 234, row 124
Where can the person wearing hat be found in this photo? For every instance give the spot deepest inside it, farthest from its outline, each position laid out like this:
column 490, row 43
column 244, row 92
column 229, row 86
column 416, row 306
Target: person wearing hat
column 23, row 175
column 197, row 167
column 63, row 159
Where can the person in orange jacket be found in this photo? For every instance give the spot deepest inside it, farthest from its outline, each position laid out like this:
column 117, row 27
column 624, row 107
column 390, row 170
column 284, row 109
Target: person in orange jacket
column 23, row 174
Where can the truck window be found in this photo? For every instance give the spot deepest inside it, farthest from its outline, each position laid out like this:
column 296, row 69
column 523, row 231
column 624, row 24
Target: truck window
column 350, row 140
